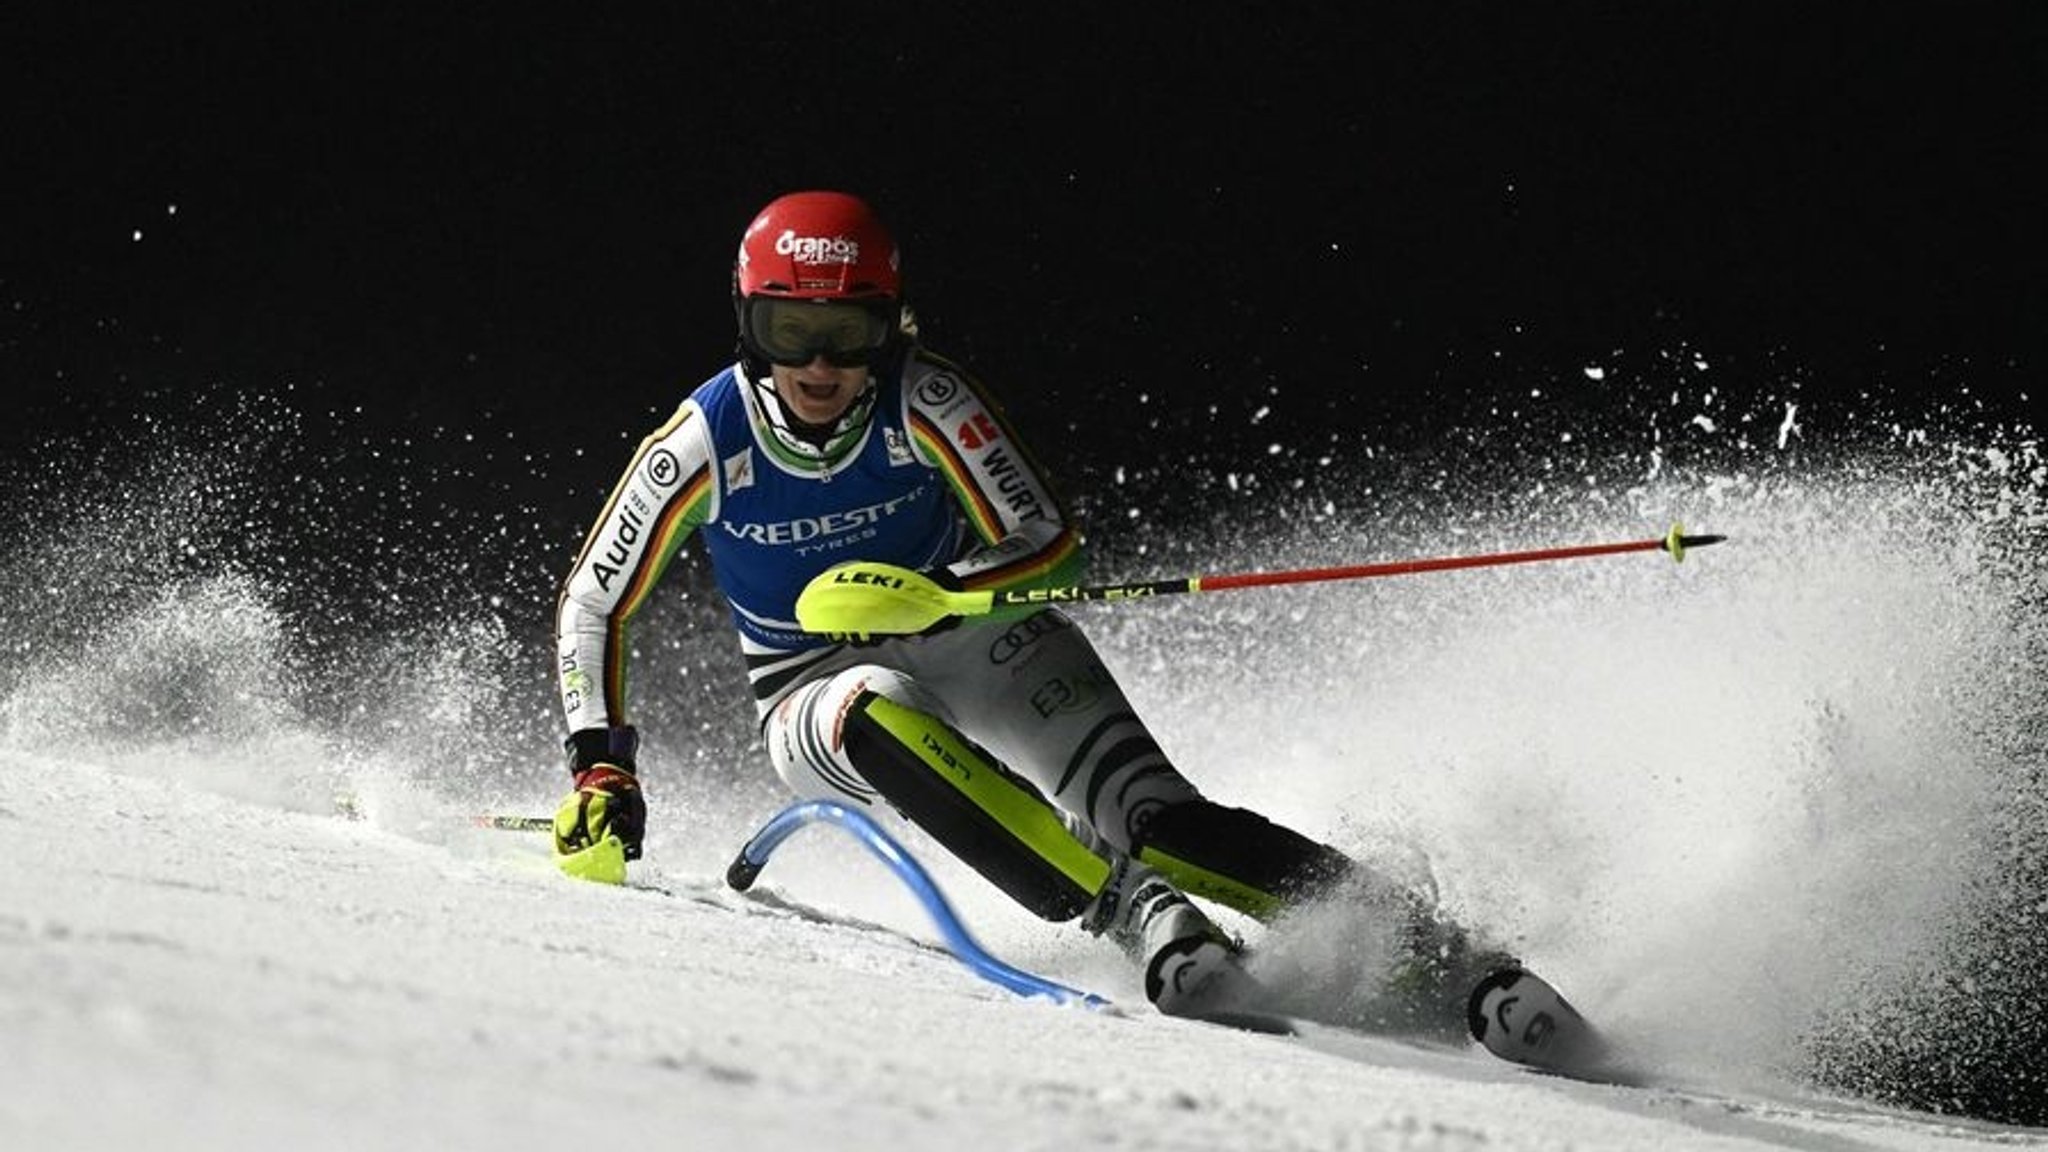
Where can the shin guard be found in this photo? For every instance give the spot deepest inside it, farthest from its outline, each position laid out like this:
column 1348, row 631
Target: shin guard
column 1238, row 858
column 993, row 820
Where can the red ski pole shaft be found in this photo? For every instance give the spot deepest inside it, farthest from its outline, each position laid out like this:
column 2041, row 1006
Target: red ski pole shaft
column 1447, row 563
column 1673, row 542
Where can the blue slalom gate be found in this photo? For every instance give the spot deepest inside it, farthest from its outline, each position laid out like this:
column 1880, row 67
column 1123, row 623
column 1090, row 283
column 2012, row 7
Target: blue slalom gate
column 746, row 868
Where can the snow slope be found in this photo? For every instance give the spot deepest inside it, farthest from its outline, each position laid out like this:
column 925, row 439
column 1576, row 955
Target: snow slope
column 182, row 968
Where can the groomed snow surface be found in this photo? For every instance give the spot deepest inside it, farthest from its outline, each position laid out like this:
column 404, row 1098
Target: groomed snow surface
column 189, row 960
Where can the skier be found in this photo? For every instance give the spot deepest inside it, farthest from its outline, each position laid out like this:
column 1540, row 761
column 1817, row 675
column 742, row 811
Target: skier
column 836, row 436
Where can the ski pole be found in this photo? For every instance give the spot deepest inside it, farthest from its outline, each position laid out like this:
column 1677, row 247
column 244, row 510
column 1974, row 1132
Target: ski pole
column 885, row 599
column 516, row 823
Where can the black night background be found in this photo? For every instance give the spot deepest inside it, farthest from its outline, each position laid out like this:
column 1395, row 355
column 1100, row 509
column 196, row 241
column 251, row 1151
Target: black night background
column 465, row 256
column 527, row 221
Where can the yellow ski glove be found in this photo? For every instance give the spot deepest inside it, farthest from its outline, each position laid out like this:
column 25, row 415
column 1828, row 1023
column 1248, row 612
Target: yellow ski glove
column 599, row 826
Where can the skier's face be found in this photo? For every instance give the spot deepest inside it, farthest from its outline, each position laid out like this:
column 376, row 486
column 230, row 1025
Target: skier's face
column 818, row 392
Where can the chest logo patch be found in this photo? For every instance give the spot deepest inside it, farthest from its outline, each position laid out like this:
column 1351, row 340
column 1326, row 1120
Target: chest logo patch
column 898, row 446
column 739, row 470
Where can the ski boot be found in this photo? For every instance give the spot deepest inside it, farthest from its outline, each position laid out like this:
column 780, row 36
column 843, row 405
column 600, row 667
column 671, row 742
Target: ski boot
column 1426, row 989
column 1192, row 968
column 1518, row 1016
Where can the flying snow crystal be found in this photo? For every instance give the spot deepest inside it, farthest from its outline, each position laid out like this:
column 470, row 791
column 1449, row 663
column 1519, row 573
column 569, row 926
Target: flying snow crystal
column 136, row 235
column 1790, row 425
column 1264, row 410
column 1595, row 372
column 1705, row 422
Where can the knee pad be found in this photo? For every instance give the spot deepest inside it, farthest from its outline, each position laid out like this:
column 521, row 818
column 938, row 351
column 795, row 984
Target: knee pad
column 806, row 733
column 1238, row 858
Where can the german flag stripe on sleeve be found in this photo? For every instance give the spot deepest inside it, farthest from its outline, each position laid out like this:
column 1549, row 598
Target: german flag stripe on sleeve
column 981, row 514
column 1033, row 569
column 679, row 518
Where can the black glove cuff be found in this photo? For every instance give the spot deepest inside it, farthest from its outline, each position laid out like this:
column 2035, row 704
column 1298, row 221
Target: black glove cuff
column 616, row 746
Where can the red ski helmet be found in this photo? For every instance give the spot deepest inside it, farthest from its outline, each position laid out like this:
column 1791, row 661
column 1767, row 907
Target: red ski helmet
column 817, row 246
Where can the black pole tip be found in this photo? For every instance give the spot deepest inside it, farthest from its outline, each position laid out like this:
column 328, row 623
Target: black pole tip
column 741, row 875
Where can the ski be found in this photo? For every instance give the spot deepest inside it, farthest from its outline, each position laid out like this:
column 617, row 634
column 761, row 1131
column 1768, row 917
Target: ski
column 1513, row 1015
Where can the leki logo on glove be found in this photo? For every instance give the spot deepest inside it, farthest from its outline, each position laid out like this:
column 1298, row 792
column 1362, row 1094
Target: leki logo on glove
column 817, row 249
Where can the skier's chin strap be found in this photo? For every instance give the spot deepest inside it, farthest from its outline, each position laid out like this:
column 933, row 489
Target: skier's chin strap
column 823, row 440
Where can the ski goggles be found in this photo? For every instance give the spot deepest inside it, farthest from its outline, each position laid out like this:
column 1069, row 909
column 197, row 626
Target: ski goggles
column 792, row 333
